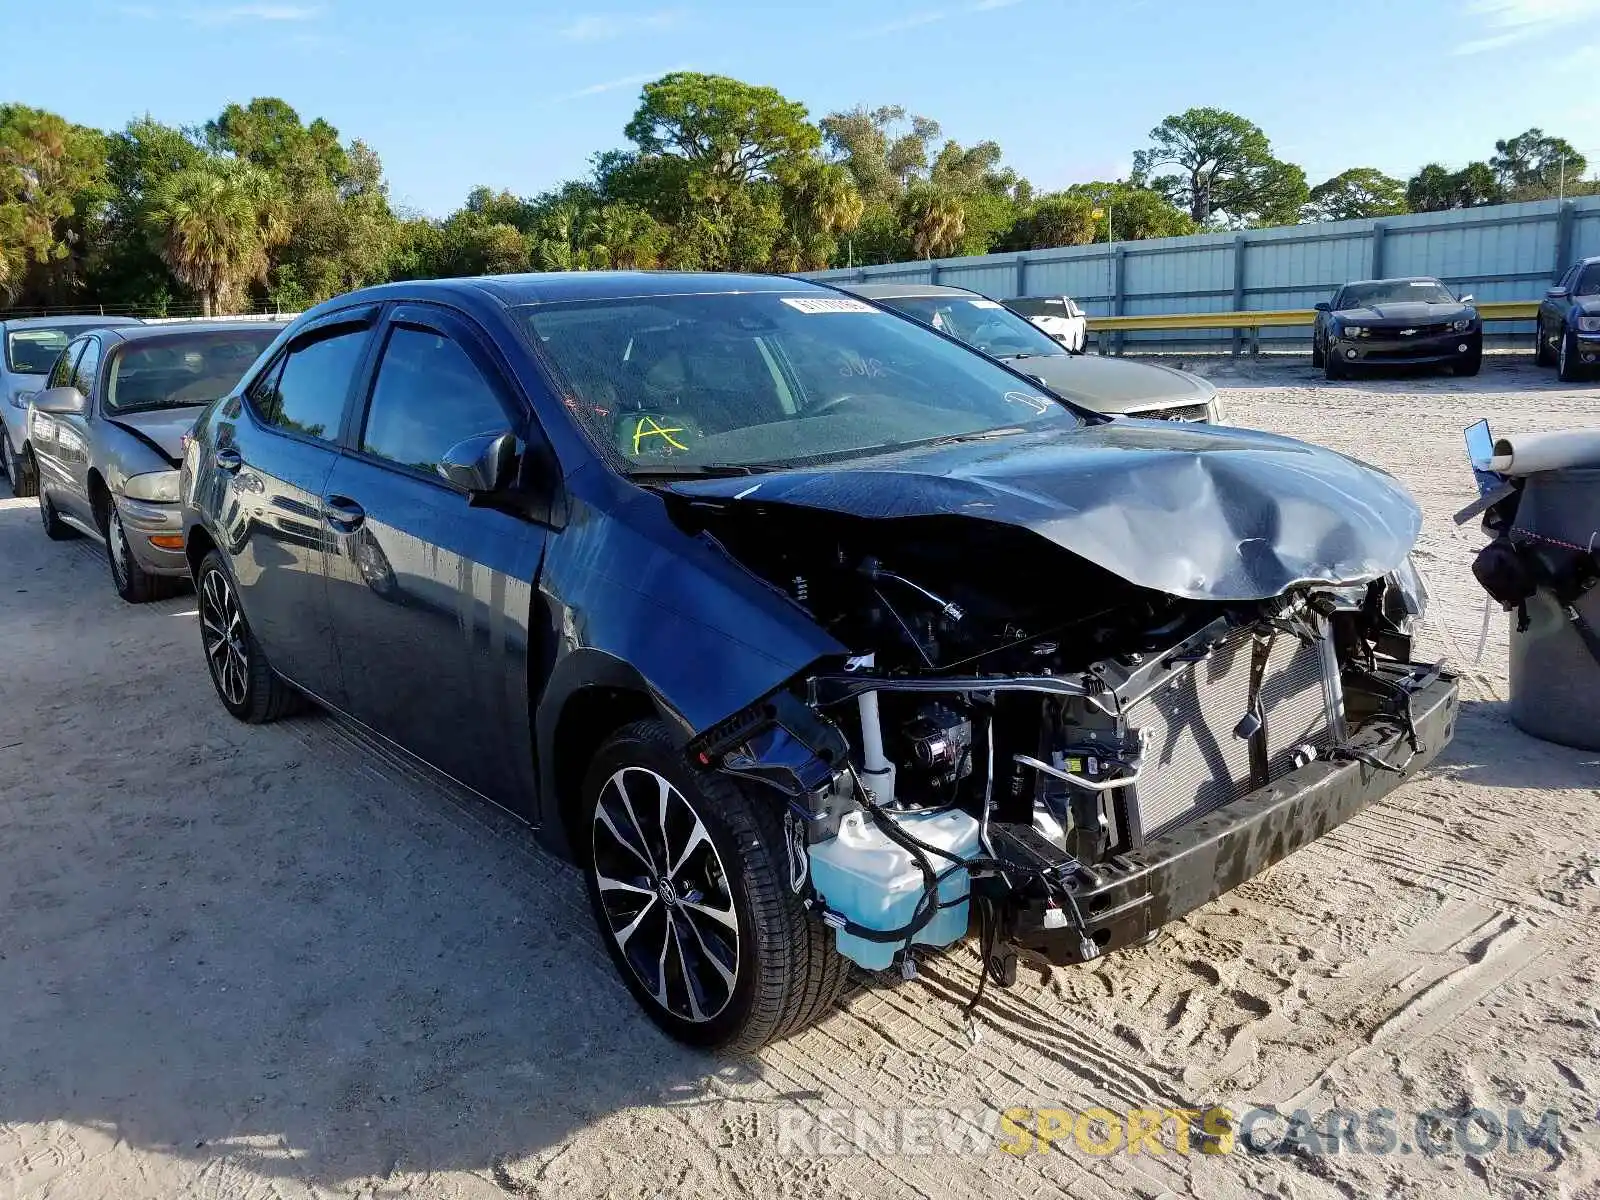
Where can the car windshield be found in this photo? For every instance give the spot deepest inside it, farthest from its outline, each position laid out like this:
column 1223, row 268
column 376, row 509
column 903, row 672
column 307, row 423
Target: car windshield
column 1588, row 283
column 986, row 324
column 34, row 351
column 1395, row 291
column 176, row 372
column 763, row 380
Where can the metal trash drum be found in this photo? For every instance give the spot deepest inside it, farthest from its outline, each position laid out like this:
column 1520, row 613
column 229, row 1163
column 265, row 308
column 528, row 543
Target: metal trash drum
column 1555, row 681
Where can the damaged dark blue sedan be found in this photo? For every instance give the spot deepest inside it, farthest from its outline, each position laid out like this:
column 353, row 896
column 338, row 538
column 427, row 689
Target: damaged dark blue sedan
column 814, row 636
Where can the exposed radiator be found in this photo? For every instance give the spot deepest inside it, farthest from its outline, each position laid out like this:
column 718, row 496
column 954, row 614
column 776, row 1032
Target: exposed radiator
column 1193, row 760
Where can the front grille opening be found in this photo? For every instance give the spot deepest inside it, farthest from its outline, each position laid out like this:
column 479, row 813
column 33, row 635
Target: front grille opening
column 1194, row 762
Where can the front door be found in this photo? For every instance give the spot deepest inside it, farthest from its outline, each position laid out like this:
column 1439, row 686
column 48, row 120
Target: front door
column 431, row 596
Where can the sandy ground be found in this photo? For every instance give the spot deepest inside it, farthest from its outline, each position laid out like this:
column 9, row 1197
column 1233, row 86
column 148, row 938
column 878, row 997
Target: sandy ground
column 270, row 963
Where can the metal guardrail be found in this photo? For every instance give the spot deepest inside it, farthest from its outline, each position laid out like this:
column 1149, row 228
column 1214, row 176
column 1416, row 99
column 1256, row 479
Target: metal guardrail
column 1252, row 323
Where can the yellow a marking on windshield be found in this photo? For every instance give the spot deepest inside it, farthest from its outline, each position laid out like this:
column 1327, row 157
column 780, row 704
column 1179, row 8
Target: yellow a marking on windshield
column 640, row 432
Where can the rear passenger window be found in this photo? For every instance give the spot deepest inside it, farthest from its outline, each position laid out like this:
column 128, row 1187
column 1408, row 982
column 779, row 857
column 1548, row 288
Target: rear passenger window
column 305, row 393
column 429, row 396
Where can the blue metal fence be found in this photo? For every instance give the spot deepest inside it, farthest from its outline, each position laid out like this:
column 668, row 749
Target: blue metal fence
column 1503, row 252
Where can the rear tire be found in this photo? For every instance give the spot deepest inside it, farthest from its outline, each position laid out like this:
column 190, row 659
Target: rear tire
column 745, row 964
column 133, row 583
column 246, row 684
column 55, row 528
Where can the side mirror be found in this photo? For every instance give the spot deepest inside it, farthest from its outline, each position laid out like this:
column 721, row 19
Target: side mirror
column 1557, row 293
column 1322, row 306
column 1468, row 298
column 61, row 402
column 483, row 465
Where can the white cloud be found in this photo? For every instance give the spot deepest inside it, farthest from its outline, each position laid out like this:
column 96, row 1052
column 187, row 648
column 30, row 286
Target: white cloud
column 1508, row 22
column 612, row 85
column 606, row 28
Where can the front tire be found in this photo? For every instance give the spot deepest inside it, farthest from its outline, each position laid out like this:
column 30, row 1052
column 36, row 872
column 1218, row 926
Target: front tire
column 688, row 879
column 20, row 472
column 133, row 583
column 1332, row 368
column 246, row 684
column 1317, row 356
column 1569, row 369
column 1472, row 363
column 1544, row 351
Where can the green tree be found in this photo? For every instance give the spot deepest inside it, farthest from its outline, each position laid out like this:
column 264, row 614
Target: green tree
column 52, row 182
column 1534, row 165
column 1227, row 170
column 269, row 133
column 1061, row 219
column 730, row 133
column 1357, row 193
column 935, row 220
column 1132, row 213
column 884, row 149
column 214, row 225
column 821, row 204
column 1435, row 189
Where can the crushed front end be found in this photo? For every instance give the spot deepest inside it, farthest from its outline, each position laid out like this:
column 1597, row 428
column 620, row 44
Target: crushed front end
column 1048, row 756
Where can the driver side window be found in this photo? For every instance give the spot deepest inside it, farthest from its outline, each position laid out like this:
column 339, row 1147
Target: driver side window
column 61, row 373
column 429, row 396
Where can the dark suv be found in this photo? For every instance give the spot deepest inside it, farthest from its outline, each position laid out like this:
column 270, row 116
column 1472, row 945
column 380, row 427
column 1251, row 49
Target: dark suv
column 814, row 635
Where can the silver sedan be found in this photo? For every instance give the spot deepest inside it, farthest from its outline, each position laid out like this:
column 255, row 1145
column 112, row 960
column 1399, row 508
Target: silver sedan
column 106, row 438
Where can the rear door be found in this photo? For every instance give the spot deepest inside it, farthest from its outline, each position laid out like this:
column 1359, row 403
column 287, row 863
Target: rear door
column 273, row 454
column 431, row 596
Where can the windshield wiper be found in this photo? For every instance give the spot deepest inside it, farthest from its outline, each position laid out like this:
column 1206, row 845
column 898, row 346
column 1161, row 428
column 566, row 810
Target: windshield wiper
column 689, row 471
column 981, row 436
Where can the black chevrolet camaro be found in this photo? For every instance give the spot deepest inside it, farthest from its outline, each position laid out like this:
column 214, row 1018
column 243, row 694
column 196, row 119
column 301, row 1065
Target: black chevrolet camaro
column 811, row 634
column 1393, row 322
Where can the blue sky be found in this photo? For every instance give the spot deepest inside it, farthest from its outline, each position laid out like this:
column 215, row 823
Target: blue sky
column 518, row 95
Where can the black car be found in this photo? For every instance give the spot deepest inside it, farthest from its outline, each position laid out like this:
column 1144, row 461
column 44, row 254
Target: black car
column 1389, row 322
column 812, row 634
column 1569, row 323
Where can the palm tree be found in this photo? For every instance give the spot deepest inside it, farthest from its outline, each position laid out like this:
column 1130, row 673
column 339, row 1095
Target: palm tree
column 626, row 238
column 937, row 221
column 214, row 225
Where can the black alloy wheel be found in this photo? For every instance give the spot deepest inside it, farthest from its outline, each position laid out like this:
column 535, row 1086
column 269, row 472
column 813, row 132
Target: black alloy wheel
column 246, row 684
column 688, row 878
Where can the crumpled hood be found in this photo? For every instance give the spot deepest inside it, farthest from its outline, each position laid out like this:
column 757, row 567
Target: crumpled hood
column 1195, row 511
column 1405, row 312
column 1115, row 385
column 165, row 427
column 1588, row 306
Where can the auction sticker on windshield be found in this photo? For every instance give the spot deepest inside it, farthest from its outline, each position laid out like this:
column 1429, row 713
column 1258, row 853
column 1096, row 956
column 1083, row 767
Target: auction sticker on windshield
column 811, row 305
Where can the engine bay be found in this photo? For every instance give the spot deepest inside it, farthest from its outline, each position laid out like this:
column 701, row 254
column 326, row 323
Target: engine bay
column 1013, row 716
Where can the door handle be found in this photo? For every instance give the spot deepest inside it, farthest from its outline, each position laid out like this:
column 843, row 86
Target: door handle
column 343, row 513
column 227, row 459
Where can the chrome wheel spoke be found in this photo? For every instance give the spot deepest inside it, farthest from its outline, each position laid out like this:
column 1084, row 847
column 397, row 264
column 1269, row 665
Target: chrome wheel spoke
column 662, row 891
column 725, row 917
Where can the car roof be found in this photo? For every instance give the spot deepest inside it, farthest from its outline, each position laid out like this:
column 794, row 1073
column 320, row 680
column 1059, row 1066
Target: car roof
column 558, row 286
column 1396, row 279
column 149, row 333
column 67, row 321
column 903, row 291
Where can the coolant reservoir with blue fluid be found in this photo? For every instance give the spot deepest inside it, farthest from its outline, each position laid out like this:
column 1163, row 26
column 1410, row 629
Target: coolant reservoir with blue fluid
column 874, row 882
